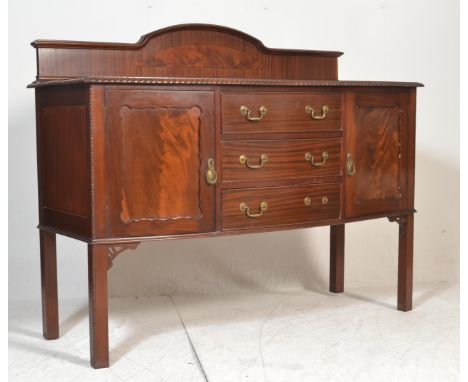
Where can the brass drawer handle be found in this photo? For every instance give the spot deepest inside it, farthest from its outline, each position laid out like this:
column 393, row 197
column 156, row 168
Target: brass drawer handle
column 310, row 158
column 308, row 200
column 310, row 110
column 243, row 159
column 350, row 167
column 245, row 208
column 245, row 111
column 211, row 174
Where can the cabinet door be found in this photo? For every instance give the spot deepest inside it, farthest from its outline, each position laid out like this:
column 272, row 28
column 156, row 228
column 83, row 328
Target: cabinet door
column 158, row 144
column 376, row 153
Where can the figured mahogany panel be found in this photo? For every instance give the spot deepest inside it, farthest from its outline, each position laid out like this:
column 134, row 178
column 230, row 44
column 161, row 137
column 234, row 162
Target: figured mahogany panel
column 161, row 163
column 282, row 159
column 376, row 140
column 158, row 145
column 378, row 149
column 285, row 112
column 285, row 206
column 192, row 50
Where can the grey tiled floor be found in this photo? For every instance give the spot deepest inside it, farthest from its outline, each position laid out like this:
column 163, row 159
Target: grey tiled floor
column 290, row 336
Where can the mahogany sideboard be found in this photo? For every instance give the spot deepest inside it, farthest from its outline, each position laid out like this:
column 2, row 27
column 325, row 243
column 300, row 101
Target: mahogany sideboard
column 199, row 130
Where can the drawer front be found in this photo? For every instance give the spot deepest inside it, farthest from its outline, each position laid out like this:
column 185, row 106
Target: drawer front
column 280, row 206
column 267, row 112
column 264, row 160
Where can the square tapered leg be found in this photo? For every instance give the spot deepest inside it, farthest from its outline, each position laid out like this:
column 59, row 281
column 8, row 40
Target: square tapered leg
column 50, row 324
column 405, row 264
column 337, row 237
column 98, row 305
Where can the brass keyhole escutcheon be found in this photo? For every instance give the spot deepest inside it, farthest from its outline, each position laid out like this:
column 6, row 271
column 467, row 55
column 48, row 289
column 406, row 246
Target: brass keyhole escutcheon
column 211, row 174
column 350, row 167
column 324, row 200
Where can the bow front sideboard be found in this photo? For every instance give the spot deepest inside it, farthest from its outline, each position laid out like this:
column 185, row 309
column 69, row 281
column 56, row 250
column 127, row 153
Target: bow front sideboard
column 199, row 130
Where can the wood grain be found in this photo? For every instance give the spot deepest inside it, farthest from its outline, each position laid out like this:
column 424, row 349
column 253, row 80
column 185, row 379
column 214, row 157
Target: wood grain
column 192, row 50
column 285, row 205
column 64, row 143
column 285, row 112
column 97, row 170
column 377, row 134
column 128, row 239
column 337, row 250
column 405, row 263
column 63, row 158
column 286, row 159
column 193, row 81
column 158, row 146
column 48, row 249
column 161, row 163
column 378, row 148
column 125, row 132
column 98, row 305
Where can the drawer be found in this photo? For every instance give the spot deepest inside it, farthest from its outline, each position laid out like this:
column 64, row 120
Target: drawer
column 264, row 160
column 280, row 206
column 269, row 112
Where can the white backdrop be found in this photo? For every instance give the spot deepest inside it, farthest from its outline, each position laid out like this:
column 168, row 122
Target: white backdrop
column 404, row 40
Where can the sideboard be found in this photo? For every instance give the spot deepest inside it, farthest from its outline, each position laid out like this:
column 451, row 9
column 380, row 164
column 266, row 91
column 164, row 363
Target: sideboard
column 199, row 130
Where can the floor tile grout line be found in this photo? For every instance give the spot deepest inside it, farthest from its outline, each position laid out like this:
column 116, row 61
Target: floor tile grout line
column 194, row 351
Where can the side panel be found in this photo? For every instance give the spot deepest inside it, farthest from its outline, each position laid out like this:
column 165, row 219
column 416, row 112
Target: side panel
column 63, row 159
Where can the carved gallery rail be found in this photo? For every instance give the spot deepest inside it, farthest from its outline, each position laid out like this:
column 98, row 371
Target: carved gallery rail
column 199, row 130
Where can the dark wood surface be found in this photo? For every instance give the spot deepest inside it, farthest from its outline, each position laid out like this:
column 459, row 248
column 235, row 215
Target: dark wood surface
column 285, row 205
column 158, row 145
column 63, row 153
column 138, row 239
column 98, row 305
column 285, row 159
column 183, row 51
column 65, row 148
column 286, row 112
column 191, row 81
column 191, row 28
column 126, row 134
column 377, row 140
column 337, row 249
column 97, row 169
column 50, row 323
column 405, row 263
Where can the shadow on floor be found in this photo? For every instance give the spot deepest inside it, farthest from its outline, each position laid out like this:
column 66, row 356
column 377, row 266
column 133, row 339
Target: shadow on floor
column 44, row 351
column 196, row 306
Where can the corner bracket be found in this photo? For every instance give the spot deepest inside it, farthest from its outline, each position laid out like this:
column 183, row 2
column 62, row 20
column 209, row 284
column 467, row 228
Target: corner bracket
column 114, row 250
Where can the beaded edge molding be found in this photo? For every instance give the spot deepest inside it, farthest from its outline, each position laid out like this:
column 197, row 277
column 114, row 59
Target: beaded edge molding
column 218, row 81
